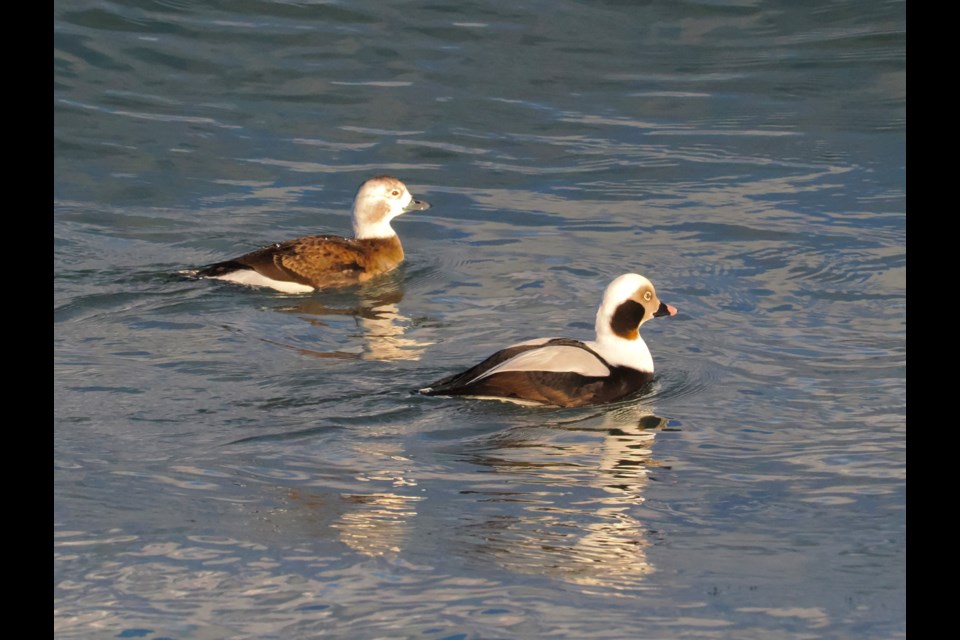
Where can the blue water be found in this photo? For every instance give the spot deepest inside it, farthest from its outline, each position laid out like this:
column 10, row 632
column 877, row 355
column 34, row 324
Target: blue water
column 239, row 463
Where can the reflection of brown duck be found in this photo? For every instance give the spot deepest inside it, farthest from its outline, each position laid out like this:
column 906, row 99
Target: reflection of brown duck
column 367, row 306
column 316, row 262
column 378, row 317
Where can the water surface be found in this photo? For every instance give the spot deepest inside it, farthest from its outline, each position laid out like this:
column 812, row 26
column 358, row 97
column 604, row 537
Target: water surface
column 237, row 463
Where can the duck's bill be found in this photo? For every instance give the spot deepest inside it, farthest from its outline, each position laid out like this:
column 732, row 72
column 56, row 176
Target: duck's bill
column 665, row 310
column 417, row 205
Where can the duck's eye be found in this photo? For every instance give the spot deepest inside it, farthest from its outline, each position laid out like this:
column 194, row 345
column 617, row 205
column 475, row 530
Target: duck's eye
column 394, row 193
column 647, row 296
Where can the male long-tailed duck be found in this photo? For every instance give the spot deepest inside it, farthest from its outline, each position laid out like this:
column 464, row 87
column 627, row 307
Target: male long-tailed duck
column 571, row 373
column 316, row 262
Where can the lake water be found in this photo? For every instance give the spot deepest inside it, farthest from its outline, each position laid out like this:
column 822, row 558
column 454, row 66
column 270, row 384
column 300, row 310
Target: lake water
column 239, row 463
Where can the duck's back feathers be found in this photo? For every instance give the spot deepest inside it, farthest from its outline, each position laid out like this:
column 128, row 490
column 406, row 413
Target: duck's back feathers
column 553, row 371
column 313, row 262
column 556, row 388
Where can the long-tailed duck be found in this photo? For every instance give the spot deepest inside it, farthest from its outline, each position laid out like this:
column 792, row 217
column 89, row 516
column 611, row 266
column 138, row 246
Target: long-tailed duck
column 571, row 373
column 316, row 262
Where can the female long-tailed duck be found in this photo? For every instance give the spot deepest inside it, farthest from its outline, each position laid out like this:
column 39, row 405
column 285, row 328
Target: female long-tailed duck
column 316, row 262
column 571, row 373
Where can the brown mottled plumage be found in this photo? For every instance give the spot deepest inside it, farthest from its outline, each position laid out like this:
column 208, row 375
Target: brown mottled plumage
column 316, row 262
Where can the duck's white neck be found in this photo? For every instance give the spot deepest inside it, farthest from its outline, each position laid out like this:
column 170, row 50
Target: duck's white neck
column 618, row 350
column 622, row 352
column 367, row 230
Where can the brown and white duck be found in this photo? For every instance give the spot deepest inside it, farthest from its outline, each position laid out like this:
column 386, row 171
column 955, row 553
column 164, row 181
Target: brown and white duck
column 316, row 262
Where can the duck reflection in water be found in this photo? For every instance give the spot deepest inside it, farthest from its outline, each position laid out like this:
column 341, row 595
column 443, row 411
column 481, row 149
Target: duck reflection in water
column 379, row 321
column 562, row 499
column 570, row 499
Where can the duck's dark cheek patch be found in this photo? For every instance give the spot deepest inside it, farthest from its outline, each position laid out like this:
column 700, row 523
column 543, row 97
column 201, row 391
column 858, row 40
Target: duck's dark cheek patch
column 626, row 319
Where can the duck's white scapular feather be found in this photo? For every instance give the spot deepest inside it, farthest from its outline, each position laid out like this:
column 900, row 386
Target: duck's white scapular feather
column 561, row 359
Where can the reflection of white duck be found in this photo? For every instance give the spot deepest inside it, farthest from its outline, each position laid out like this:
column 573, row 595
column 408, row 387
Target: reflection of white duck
column 616, row 538
column 571, row 373
column 316, row 262
column 571, row 494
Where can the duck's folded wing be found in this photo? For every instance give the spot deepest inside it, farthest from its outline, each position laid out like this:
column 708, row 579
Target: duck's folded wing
column 280, row 262
column 464, row 377
column 542, row 354
column 315, row 257
column 558, row 358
